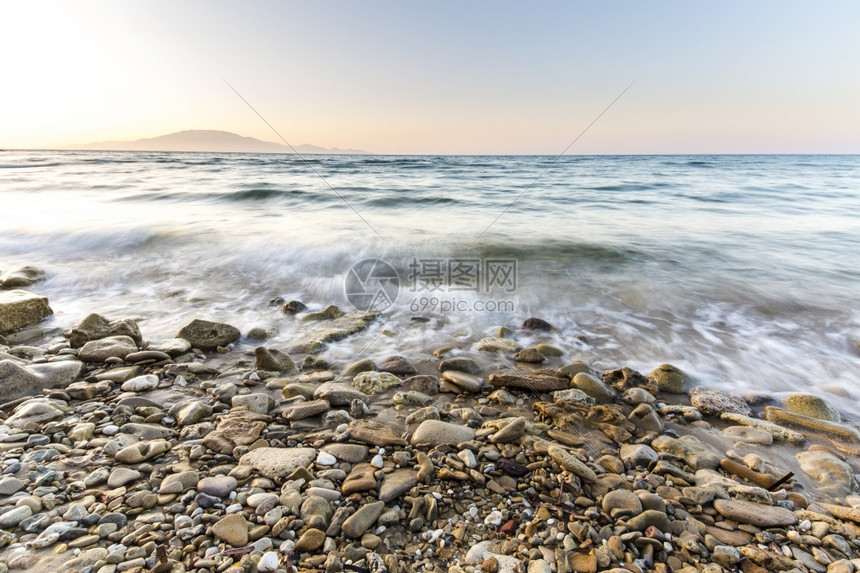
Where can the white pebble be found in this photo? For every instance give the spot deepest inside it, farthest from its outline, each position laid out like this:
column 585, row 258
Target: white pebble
column 473, row 512
column 268, row 562
column 110, row 430
column 495, row 518
column 437, row 495
column 254, row 376
column 234, row 508
column 377, row 461
column 342, row 428
column 379, row 530
column 287, row 546
column 326, row 459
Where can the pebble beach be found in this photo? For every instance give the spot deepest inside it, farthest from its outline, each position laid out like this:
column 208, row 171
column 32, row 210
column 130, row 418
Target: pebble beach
column 213, row 451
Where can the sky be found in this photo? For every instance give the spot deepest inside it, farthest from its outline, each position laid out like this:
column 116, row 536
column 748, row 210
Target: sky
column 464, row 77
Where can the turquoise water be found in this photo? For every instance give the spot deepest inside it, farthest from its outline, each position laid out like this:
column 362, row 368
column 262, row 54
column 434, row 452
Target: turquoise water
column 742, row 269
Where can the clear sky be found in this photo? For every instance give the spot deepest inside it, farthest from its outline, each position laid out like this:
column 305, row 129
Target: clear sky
column 438, row 77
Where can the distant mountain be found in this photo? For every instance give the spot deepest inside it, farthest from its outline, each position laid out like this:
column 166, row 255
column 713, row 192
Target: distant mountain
column 208, row 140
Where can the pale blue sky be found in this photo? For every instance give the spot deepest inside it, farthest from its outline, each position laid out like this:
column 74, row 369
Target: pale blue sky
column 441, row 77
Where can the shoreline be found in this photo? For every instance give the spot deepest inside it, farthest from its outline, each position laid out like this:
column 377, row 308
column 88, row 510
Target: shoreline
column 192, row 454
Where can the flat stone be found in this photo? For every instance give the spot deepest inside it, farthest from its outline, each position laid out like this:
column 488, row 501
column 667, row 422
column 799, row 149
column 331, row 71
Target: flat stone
column 649, row 518
column 141, row 383
column 147, row 431
column 19, row 308
column 15, row 516
column 374, row 433
column 397, row 483
column 571, row 463
column 302, row 410
column 233, row 529
column 460, row 364
column 338, row 394
column 361, row 478
column 464, row 381
column 436, row 432
column 748, row 435
column 278, row 463
column 218, row 486
column 87, row 390
column 352, row 453
column 142, row 451
column 777, row 431
column 207, row 335
column 510, row 432
column 190, row 412
column 170, row 346
column 109, row 347
column 397, row 365
column 257, row 402
column 711, row 402
column 238, row 428
column 179, row 482
column 360, row 521
column 95, row 327
column 694, row 452
column 10, row 485
column 845, row 438
column 121, row 476
column 498, row 344
column 412, row 398
column 310, row 541
column 535, row 382
column 18, row 380
column 375, row 382
column 834, row 476
column 754, row 513
column 36, row 410
column 325, row 329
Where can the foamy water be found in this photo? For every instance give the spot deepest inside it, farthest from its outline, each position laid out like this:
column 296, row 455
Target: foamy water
column 743, row 270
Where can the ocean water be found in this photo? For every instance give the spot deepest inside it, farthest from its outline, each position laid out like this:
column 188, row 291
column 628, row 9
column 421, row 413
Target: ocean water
column 743, row 270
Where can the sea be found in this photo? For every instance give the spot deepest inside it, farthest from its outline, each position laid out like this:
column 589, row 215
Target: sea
column 742, row 270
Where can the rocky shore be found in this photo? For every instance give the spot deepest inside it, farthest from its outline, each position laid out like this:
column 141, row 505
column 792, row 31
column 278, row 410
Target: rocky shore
column 212, row 452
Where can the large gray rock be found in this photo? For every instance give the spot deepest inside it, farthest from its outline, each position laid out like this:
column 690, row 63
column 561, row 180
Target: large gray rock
column 96, row 327
column 278, row 463
column 37, row 411
column 17, row 380
column 109, row 347
column 19, row 308
column 207, row 335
